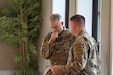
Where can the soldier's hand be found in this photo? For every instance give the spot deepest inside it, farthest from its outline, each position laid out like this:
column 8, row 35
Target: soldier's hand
column 54, row 35
column 48, row 71
column 55, row 70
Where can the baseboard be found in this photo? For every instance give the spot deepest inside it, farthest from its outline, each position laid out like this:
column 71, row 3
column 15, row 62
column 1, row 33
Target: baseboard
column 7, row 72
column 11, row 72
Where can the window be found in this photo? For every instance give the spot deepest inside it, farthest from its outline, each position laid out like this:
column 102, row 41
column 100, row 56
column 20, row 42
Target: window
column 84, row 7
column 61, row 7
column 96, row 21
column 58, row 6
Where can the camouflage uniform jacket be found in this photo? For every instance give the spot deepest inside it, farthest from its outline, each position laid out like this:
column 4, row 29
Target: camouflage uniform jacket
column 83, row 56
column 57, row 51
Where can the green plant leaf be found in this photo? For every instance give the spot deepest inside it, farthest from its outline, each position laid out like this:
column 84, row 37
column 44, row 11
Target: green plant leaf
column 20, row 26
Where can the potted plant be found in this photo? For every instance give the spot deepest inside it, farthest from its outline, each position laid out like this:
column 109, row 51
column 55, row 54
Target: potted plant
column 20, row 24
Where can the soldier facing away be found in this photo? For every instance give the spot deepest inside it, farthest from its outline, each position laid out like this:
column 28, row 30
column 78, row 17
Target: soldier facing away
column 83, row 56
column 57, row 43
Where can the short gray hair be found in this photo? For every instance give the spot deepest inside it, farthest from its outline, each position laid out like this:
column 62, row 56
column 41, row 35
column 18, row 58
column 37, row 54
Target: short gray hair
column 54, row 17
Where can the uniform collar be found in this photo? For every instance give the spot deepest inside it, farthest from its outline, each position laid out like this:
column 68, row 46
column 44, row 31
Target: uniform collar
column 81, row 32
column 62, row 31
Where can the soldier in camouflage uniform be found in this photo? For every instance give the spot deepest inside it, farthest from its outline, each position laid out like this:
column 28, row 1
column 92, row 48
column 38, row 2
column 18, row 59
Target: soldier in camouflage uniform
column 57, row 43
column 83, row 56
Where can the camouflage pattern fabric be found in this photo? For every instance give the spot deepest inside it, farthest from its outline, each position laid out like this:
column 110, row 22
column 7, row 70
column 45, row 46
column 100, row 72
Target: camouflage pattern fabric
column 57, row 51
column 83, row 57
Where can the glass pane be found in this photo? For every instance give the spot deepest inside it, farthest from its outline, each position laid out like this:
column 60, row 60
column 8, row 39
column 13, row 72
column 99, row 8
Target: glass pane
column 84, row 7
column 98, row 34
column 59, row 7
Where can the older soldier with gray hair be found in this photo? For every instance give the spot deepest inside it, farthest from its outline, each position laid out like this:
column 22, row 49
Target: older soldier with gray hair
column 57, row 43
column 83, row 56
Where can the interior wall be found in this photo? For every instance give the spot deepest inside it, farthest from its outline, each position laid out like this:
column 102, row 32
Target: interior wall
column 7, row 53
column 46, row 12
column 111, row 40
column 72, row 7
column 3, row 3
column 105, row 37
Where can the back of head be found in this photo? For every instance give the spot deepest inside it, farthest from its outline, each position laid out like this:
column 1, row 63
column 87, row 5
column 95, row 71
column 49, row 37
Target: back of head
column 78, row 18
column 55, row 17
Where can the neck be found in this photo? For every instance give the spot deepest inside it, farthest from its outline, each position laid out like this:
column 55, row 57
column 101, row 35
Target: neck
column 61, row 30
column 78, row 30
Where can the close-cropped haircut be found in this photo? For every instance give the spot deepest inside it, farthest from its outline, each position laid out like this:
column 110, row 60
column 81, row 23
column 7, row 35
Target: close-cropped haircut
column 79, row 18
column 54, row 17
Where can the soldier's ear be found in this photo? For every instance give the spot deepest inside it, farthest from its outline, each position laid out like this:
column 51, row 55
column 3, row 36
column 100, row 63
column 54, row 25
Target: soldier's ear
column 62, row 23
column 73, row 25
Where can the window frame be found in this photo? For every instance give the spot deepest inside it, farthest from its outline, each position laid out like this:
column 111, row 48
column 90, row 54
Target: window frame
column 67, row 14
column 95, row 19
